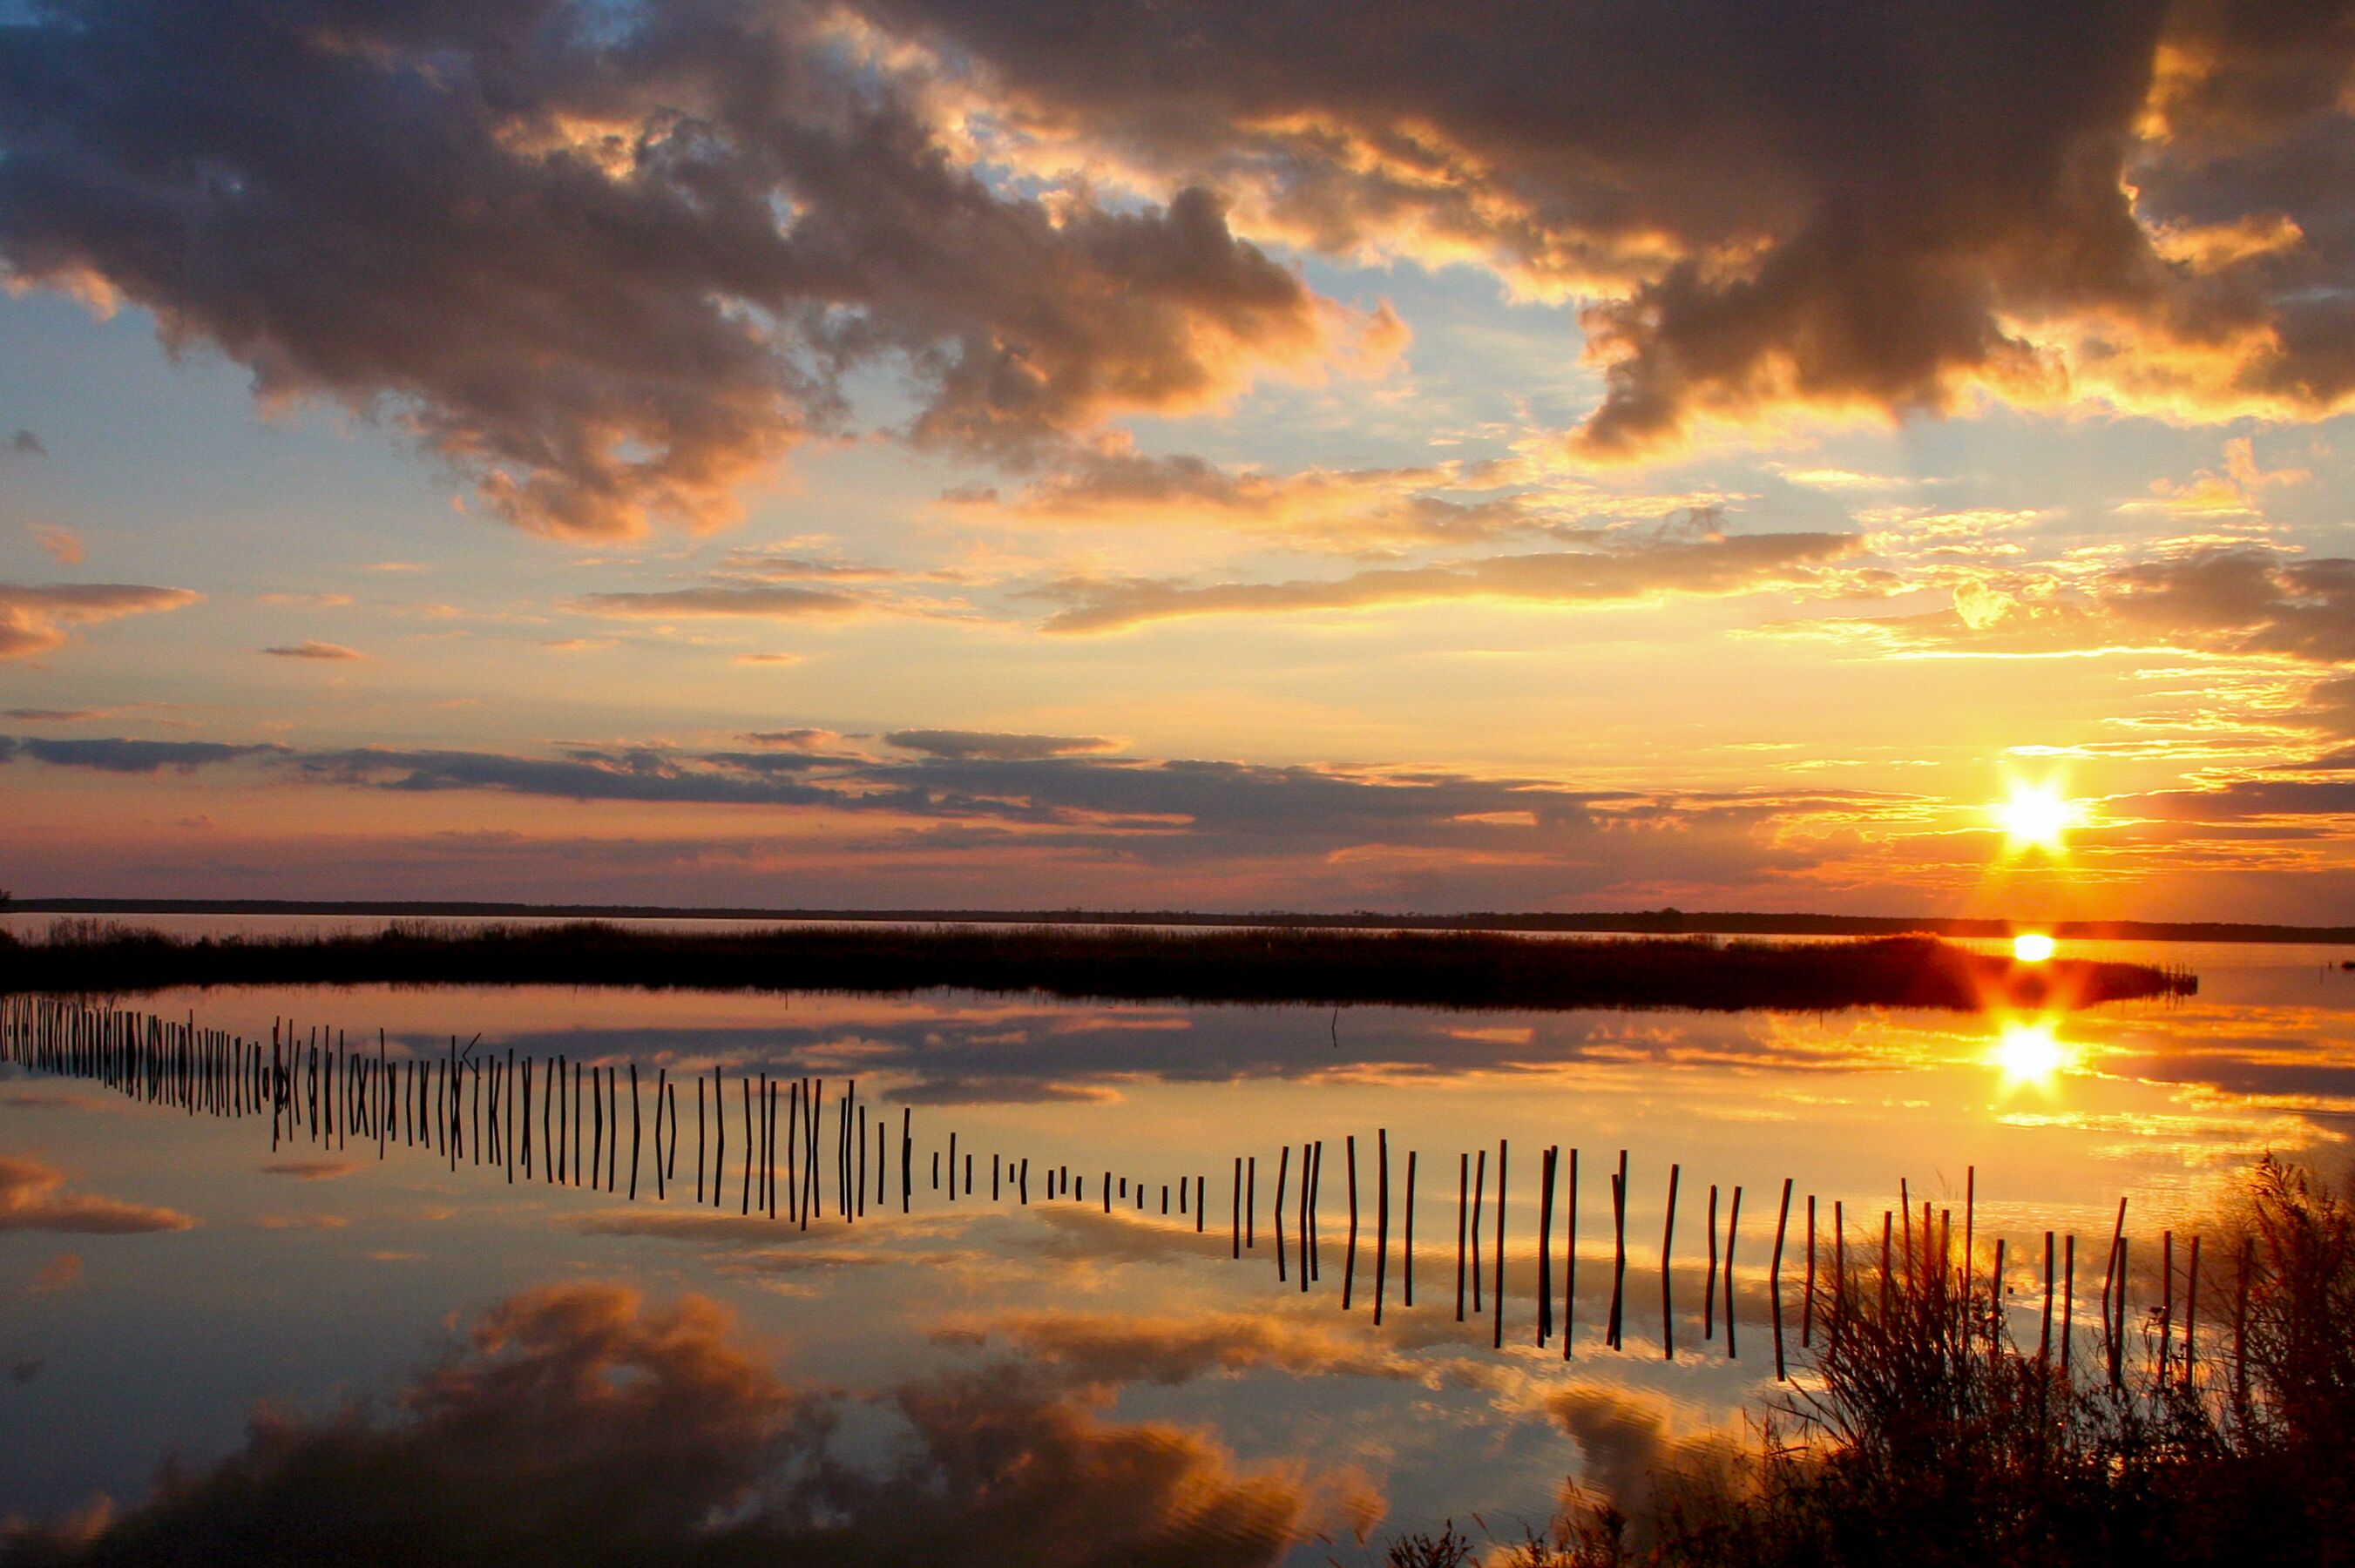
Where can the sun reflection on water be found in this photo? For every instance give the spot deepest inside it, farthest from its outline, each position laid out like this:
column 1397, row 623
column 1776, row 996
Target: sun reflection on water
column 2028, row 1053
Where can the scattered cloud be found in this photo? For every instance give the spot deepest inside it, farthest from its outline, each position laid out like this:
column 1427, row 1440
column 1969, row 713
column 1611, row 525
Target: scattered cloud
column 35, row 620
column 768, row 603
column 304, row 601
column 24, row 444
column 60, row 1273
column 2235, row 599
column 33, row 1197
column 117, row 755
column 1711, row 567
column 315, row 650
column 60, row 544
column 992, row 745
column 310, row 1170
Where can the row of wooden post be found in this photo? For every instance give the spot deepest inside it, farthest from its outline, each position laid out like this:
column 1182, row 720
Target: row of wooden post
column 480, row 1108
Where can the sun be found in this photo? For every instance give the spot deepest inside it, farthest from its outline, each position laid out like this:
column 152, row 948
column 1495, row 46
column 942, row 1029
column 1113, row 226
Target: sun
column 2032, row 947
column 2027, row 1054
column 2035, row 816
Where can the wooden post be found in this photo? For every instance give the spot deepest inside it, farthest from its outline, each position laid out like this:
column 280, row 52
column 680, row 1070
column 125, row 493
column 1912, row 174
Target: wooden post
column 1251, row 1202
column 1732, row 1228
column 1462, row 1201
column 1545, row 1243
column 1774, row 1279
column 1885, row 1265
column 634, row 1130
column 2167, row 1301
column 1614, row 1334
column 1283, row 1183
column 2044, row 1337
column 1479, row 1191
column 2112, row 1280
column 2068, row 1304
column 1382, row 1218
column 1499, row 1293
column 1808, row 1295
column 1407, row 1256
column 1970, row 1230
column 1350, row 1259
column 1839, row 1268
column 1236, row 1242
column 1667, row 1294
column 1569, row 1261
column 1307, row 1210
column 1709, row 1287
column 1996, row 1289
column 2118, row 1330
column 1905, row 1219
column 2191, row 1310
column 1314, row 1192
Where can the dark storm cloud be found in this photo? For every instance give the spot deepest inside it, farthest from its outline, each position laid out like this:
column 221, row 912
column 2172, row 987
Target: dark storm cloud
column 1710, row 567
column 1845, row 205
column 580, row 1426
column 614, row 262
column 610, row 262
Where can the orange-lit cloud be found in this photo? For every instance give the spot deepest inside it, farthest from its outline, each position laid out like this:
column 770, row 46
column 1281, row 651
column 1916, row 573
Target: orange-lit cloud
column 33, row 1198
column 664, row 276
column 35, row 620
column 1711, row 567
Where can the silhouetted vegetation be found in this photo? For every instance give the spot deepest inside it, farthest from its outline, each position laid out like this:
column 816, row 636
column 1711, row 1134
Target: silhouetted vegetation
column 1245, row 965
column 1922, row 1435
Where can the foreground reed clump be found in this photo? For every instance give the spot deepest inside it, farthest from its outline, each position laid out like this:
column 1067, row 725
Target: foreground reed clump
column 1456, row 969
column 1923, row 1434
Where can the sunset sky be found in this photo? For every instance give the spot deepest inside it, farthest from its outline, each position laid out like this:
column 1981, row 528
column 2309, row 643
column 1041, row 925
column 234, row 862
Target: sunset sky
column 1230, row 456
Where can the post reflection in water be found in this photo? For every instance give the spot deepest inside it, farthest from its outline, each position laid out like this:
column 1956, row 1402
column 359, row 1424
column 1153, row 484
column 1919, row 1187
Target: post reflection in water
column 558, row 1341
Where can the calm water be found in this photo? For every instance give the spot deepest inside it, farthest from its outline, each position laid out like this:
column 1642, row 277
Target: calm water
column 1049, row 1367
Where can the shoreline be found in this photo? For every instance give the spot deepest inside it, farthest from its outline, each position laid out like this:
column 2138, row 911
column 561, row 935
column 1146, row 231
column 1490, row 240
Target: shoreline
column 1645, row 923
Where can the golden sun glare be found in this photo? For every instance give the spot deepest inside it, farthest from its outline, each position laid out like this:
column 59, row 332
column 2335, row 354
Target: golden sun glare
column 2032, row 947
column 2035, row 816
column 2027, row 1054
